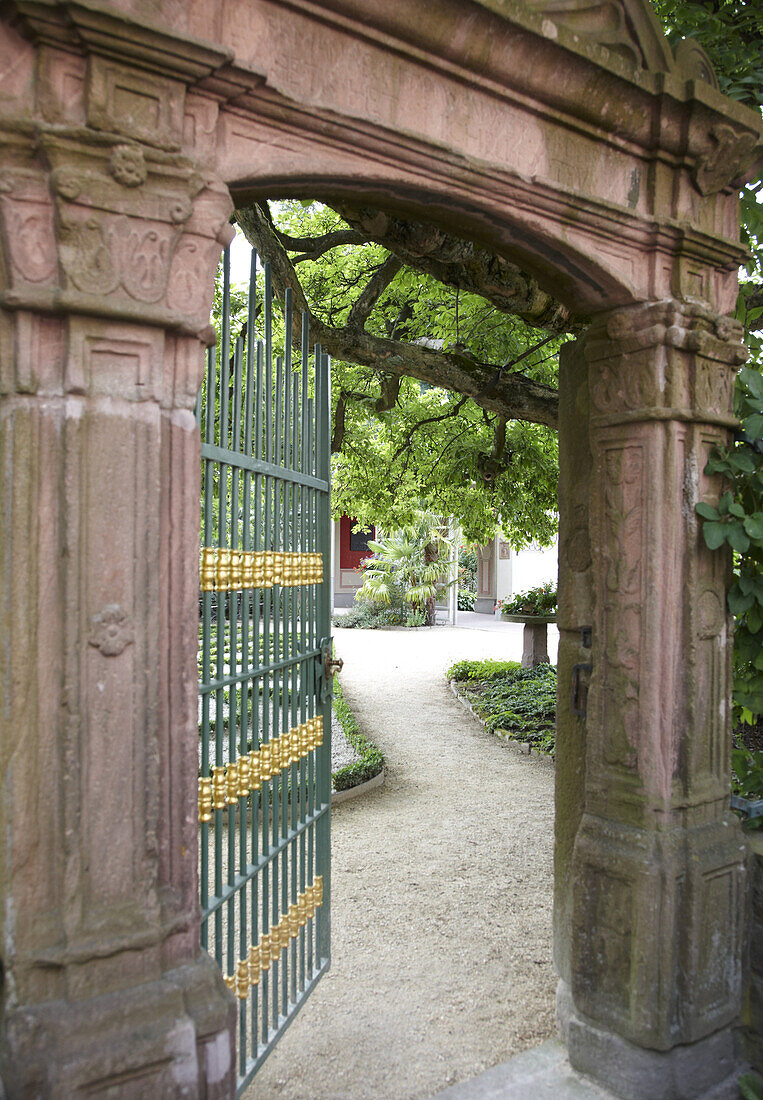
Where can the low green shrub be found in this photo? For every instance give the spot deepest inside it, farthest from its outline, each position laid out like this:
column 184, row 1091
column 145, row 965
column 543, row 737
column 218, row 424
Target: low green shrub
column 466, row 599
column 369, row 618
column 489, row 669
column 371, row 759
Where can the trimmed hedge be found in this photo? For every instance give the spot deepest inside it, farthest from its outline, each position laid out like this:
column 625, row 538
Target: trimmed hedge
column 482, row 670
column 371, row 759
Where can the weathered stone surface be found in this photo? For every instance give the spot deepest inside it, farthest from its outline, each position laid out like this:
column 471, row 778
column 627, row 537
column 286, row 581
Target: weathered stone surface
column 585, row 155
column 752, row 1009
column 656, row 878
column 705, row 1070
column 575, row 623
column 534, row 645
column 109, row 254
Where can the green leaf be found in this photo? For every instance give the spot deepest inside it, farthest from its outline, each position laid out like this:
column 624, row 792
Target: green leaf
column 738, row 603
column 751, row 1086
column 752, row 379
column 706, row 511
column 736, row 537
column 741, row 459
column 714, row 534
column 753, row 425
column 753, row 525
column 724, row 504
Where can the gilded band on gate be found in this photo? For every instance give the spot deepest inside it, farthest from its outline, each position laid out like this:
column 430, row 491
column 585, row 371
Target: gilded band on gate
column 229, row 782
column 271, row 944
column 223, row 569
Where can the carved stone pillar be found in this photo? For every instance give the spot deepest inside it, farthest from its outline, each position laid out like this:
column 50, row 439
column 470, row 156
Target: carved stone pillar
column 652, row 968
column 109, row 246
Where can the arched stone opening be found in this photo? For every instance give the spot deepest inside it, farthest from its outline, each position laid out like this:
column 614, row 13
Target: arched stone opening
column 591, row 155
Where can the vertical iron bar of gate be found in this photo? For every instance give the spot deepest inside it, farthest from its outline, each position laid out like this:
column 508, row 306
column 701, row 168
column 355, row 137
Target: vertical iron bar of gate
column 323, row 531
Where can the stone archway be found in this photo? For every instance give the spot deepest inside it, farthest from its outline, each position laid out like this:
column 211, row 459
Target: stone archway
column 579, row 147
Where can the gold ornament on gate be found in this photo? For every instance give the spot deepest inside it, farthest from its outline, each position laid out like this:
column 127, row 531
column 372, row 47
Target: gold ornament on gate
column 208, row 569
column 265, row 763
column 224, row 568
column 243, row 776
column 254, row 964
column 205, row 799
column 218, row 787
column 231, row 784
column 242, row 980
column 255, row 772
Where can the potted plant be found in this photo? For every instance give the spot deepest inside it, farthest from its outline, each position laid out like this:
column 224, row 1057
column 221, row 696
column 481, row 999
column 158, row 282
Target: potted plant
column 536, row 604
column 536, row 608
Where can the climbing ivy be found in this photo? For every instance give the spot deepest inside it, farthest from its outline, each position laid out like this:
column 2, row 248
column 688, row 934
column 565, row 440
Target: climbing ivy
column 738, row 521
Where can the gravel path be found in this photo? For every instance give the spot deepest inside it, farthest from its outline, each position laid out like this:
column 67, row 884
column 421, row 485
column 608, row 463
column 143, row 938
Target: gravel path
column 442, row 887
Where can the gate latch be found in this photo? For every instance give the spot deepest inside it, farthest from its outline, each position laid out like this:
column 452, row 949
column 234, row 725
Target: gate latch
column 331, row 664
column 579, row 694
column 327, row 667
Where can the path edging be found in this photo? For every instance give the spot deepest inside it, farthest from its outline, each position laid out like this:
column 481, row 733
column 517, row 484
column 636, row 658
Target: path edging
column 338, row 797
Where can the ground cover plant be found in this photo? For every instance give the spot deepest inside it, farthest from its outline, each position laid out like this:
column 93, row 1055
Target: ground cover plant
column 520, row 701
column 363, row 617
column 371, row 758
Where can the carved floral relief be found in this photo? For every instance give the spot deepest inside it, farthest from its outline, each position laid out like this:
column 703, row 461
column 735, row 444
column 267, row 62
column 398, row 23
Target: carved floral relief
column 621, row 578
column 28, row 230
column 124, row 219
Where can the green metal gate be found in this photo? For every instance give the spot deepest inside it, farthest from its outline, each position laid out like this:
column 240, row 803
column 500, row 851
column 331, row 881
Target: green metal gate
column 265, row 667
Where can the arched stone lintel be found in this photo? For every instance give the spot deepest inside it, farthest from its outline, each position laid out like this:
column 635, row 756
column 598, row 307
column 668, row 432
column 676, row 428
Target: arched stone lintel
column 120, row 142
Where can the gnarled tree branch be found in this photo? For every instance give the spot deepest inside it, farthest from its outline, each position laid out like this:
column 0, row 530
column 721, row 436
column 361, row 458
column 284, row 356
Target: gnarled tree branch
column 461, row 264
column 372, row 291
column 511, row 395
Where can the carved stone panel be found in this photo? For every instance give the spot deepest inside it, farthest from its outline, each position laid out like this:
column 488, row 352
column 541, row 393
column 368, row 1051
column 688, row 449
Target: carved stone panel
column 28, row 232
column 134, row 103
column 127, row 235
column 662, row 361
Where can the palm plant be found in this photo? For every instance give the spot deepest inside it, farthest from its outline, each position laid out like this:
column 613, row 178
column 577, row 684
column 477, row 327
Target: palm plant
column 406, row 570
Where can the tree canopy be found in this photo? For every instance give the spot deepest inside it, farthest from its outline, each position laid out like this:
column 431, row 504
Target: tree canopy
column 442, row 398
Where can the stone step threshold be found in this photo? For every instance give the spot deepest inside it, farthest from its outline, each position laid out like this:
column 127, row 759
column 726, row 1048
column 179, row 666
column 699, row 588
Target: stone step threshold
column 545, row 1071
column 541, row 1072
